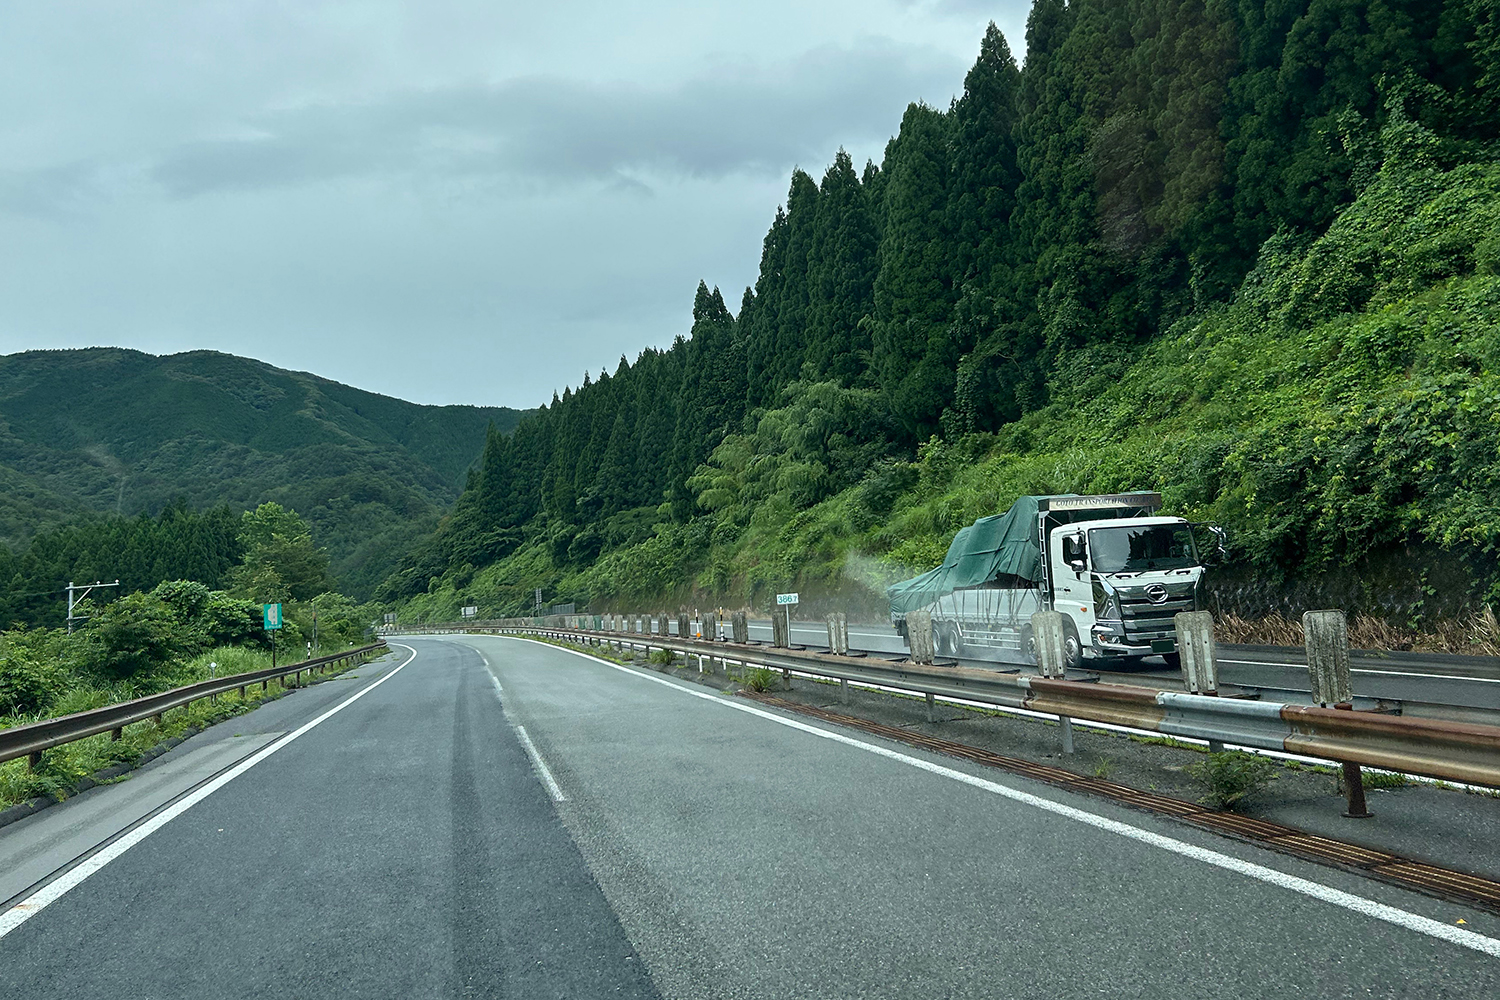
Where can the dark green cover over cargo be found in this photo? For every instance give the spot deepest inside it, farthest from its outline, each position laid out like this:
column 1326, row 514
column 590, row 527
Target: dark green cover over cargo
column 1003, row 545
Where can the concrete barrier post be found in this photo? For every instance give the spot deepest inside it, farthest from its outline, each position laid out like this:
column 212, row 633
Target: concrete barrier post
column 779, row 630
column 1200, row 657
column 1195, row 642
column 838, row 634
column 684, row 627
column 710, row 627
column 1326, row 634
column 1052, row 660
column 1051, row 656
column 919, row 636
column 741, row 627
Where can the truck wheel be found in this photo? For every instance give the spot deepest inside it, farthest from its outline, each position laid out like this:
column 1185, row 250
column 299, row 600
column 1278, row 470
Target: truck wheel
column 1072, row 648
column 1028, row 645
column 1174, row 660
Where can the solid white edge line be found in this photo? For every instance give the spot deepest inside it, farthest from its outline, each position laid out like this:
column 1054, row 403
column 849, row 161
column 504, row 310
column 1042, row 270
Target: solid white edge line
column 553, row 788
column 74, row 877
column 1316, row 890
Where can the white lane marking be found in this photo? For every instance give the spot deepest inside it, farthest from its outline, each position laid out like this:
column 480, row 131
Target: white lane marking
column 1347, row 900
column 553, row 788
column 496, row 681
column 61, row 886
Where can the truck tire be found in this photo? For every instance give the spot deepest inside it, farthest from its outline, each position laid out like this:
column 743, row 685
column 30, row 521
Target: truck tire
column 1072, row 648
column 1174, row 660
column 1028, row 645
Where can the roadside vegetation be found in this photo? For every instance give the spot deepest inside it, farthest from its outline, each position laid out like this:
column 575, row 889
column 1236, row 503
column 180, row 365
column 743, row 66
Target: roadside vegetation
column 1268, row 294
column 171, row 634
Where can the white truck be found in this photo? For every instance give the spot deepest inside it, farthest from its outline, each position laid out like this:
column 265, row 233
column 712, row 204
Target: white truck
column 1116, row 570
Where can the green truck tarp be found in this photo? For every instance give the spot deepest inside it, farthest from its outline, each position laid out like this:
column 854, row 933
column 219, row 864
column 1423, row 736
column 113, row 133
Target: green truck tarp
column 1003, row 545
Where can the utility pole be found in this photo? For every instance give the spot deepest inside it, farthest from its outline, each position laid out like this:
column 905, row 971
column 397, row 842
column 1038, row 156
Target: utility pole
column 76, row 593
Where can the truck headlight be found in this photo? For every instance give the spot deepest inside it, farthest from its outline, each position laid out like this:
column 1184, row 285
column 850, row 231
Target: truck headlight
column 1106, row 601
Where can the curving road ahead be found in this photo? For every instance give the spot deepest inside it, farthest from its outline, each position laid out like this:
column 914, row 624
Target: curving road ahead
column 502, row 818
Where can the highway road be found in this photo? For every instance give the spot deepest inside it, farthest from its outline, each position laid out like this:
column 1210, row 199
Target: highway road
column 485, row 817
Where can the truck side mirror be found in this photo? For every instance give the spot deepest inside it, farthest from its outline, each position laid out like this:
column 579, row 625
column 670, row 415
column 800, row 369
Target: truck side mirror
column 1217, row 552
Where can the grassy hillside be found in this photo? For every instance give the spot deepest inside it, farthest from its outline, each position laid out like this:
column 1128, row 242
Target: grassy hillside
column 105, row 429
column 1340, row 416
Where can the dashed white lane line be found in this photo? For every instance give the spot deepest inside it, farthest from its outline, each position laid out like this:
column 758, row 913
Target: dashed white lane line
column 74, row 877
column 553, row 788
column 1316, row 890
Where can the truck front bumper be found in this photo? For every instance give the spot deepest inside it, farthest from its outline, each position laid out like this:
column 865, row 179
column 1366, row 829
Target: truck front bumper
column 1112, row 643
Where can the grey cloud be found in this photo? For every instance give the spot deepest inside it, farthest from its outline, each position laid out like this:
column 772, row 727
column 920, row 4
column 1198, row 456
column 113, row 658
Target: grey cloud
column 737, row 118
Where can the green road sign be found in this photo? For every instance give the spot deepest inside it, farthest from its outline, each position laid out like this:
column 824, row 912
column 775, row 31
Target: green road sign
column 272, row 614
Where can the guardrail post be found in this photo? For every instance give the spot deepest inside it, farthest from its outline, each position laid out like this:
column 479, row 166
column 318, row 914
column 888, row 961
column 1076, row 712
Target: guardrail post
column 116, row 734
column 741, row 627
column 34, row 759
column 931, row 708
column 838, row 634
column 1326, row 634
column 844, row 690
column 1052, row 660
column 919, row 636
column 1200, row 660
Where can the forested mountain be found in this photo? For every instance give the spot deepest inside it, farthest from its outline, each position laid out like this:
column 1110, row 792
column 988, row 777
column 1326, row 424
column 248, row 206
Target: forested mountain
column 1236, row 251
column 110, row 431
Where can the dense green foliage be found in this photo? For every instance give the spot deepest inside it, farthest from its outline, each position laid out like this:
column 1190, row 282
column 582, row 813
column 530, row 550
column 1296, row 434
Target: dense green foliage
column 172, row 634
column 114, row 431
column 1241, row 252
column 140, row 552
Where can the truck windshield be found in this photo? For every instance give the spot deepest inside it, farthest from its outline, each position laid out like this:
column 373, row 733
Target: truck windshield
column 1141, row 548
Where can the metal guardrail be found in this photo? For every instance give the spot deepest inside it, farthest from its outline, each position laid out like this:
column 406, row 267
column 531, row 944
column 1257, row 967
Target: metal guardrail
column 1451, row 751
column 30, row 739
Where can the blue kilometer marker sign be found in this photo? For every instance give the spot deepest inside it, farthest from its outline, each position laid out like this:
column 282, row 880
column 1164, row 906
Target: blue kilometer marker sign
column 272, row 615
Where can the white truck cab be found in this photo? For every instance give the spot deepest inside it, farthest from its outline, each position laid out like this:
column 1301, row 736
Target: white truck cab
column 1120, row 582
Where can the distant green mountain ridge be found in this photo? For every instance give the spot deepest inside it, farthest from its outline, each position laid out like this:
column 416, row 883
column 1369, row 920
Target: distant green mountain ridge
column 109, row 430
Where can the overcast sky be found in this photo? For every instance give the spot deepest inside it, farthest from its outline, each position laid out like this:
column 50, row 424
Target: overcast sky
column 444, row 201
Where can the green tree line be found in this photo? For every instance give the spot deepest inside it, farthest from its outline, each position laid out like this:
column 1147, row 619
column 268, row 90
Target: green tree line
column 1010, row 257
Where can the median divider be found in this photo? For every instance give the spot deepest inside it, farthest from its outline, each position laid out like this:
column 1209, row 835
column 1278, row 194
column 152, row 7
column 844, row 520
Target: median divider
column 1450, row 751
column 30, row 739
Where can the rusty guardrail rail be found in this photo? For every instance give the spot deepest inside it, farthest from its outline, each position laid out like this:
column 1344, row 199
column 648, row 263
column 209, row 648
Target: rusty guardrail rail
column 30, row 739
column 1450, row 751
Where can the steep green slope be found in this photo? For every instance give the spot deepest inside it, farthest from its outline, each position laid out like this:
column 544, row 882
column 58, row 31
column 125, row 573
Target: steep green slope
column 106, row 429
column 1341, row 417
column 1182, row 244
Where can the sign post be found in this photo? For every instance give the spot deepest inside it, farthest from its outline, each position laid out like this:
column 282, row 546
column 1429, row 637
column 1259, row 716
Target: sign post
column 271, row 620
column 784, row 627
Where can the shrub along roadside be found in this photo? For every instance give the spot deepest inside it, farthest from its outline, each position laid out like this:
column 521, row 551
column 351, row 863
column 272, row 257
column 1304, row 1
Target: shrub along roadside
column 63, row 768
